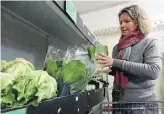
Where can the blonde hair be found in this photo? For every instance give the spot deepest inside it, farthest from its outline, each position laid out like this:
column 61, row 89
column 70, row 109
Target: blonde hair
column 143, row 23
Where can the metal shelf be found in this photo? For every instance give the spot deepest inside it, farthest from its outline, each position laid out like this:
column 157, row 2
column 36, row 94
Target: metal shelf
column 47, row 16
column 79, row 103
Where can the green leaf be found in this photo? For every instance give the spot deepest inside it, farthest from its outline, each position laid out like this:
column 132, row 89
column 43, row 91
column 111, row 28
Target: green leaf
column 6, row 80
column 73, row 71
column 47, row 87
column 51, row 67
column 3, row 65
column 8, row 100
column 19, row 67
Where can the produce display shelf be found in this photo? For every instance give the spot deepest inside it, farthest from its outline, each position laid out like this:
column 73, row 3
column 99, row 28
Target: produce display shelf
column 48, row 17
column 79, row 103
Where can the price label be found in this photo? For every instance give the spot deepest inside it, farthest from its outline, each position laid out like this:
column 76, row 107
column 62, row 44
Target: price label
column 19, row 111
column 71, row 10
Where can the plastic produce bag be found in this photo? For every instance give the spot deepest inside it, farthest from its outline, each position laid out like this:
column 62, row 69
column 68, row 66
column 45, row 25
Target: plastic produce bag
column 72, row 68
column 54, row 61
column 53, row 65
column 79, row 53
column 94, row 51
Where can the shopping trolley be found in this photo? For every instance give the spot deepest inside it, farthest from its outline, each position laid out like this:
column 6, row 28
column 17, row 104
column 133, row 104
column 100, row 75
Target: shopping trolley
column 149, row 107
column 128, row 107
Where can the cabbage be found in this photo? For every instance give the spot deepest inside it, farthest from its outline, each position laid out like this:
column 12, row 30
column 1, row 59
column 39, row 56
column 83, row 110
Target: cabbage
column 51, row 67
column 21, row 85
column 91, row 51
column 3, row 65
column 19, row 67
column 100, row 49
column 73, row 71
column 7, row 97
column 54, row 68
column 6, row 82
column 94, row 51
column 35, row 87
column 8, row 100
column 47, row 86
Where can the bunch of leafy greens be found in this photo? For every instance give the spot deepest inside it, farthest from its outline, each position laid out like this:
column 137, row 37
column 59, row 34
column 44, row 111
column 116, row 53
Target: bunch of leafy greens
column 54, row 68
column 18, row 67
column 22, row 85
column 94, row 51
column 71, row 72
column 7, row 97
column 35, row 87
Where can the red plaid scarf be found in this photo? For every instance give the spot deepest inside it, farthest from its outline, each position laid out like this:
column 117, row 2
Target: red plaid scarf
column 120, row 79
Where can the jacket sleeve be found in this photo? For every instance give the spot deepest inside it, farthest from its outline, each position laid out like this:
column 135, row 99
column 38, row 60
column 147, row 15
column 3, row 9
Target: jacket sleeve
column 152, row 66
column 114, row 54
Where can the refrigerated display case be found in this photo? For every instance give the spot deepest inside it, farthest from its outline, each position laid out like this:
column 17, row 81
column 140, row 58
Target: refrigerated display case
column 28, row 27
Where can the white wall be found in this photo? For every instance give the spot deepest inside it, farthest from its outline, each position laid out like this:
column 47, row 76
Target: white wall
column 108, row 18
column 110, row 40
column 102, row 19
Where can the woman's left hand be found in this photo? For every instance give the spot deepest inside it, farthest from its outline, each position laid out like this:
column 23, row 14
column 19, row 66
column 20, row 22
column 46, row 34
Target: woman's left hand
column 105, row 61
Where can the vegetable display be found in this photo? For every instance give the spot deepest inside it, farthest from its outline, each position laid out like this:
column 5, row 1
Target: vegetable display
column 73, row 72
column 21, row 85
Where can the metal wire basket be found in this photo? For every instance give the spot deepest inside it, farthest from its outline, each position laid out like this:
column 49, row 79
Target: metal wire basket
column 128, row 107
column 149, row 107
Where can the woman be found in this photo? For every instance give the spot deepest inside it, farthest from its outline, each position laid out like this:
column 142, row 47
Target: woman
column 136, row 62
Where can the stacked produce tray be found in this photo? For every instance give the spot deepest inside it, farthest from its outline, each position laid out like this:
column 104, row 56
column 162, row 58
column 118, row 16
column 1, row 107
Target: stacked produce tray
column 79, row 103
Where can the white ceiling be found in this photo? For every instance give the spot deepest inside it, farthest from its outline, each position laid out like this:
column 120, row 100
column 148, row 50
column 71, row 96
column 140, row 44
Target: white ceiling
column 84, row 7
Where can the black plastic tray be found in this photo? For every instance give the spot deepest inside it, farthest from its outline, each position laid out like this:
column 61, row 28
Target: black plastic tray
column 79, row 103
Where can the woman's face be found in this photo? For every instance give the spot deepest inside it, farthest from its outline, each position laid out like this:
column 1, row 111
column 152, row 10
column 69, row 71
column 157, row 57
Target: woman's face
column 127, row 24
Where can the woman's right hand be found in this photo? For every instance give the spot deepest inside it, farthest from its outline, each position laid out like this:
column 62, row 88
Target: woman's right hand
column 104, row 60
